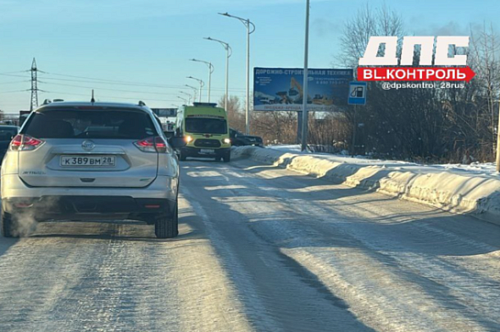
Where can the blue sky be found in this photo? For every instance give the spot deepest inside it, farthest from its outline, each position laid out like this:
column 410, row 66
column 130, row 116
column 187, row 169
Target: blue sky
column 150, row 41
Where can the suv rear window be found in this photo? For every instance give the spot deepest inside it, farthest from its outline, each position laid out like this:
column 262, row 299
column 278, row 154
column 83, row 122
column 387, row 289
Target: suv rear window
column 74, row 123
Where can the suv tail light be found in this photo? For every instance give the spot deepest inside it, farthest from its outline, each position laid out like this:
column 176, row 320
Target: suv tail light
column 152, row 144
column 25, row 143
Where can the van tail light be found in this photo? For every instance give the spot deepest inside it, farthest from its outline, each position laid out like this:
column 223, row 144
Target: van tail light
column 25, row 143
column 152, row 144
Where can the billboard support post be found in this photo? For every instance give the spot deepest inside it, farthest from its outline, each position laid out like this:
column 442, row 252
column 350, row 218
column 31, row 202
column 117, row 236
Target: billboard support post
column 354, row 128
column 305, row 115
column 299, row 127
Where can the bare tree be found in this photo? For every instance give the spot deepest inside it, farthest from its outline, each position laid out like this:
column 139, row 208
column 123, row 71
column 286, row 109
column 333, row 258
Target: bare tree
column 447, row 124
column 235, row 115
column 368, row 22
column 275, row 127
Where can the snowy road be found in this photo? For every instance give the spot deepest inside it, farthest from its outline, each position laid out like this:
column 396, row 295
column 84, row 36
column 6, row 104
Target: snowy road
column 260, row 249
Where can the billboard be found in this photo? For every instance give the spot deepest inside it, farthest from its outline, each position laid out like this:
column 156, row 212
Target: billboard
column 166, row 116
column 280, row 89
column 165, row 112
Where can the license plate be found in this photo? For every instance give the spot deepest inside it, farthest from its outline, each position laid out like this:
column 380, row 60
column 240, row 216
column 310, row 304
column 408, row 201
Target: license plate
column 100, row 161
column 207, row 151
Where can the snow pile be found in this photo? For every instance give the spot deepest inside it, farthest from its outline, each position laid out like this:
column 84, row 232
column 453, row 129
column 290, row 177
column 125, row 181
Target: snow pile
column 448, row 187
column 477, row 168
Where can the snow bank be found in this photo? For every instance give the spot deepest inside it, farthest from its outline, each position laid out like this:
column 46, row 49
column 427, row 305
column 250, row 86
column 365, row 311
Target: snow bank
column 477, row 168
column 448, row 188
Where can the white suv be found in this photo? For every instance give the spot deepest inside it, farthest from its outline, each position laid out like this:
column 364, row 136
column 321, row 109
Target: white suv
column 90, row 161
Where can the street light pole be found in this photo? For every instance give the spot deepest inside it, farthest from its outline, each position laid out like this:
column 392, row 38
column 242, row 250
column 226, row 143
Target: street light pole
column 195, row 91
column 250, row 29
column 183, row 99
column 305, row 115
column 210, row 71
column 229, row 52
column 187, row 94
column 201, row 84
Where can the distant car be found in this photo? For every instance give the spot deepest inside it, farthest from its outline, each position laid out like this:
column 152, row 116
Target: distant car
column 240, row 139
column 7, row 133
column 90, row 161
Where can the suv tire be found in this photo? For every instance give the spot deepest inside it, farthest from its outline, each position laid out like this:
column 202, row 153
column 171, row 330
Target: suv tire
column 227, row 158
column 8, row 225
column 168, row 227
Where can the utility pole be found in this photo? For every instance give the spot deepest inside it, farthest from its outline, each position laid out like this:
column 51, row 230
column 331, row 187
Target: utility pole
column 34, row 86
column 305, row 115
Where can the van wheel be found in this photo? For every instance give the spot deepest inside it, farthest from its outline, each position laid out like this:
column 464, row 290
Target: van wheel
column 9, row 227
column 182, row 156
column 168, row 227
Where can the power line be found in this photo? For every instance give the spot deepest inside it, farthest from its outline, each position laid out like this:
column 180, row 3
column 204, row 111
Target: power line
column 13, row 75
column 14, row 91
column 14, row 82
column 104, row 96
column 117, row 90
column 14, row 72
column 93, row 79
column 83, row 79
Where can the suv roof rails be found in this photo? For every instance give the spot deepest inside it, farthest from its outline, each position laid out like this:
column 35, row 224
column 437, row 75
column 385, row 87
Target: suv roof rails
column 205, row 104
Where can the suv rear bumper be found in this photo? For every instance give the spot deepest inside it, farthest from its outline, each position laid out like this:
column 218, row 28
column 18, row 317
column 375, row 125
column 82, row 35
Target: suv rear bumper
column 44, row 202
column 88, row 207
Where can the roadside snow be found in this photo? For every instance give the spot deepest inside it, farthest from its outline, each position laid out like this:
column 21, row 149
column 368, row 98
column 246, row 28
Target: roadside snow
column 456, row 188
column 476, row 167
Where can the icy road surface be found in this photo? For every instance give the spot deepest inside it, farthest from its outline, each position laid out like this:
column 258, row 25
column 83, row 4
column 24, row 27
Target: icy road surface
column 260, row 249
